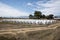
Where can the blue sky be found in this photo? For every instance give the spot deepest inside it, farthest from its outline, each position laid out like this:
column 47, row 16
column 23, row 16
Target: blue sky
column 16, row 8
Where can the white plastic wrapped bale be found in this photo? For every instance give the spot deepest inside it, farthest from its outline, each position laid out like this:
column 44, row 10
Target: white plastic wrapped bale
column 30, row 21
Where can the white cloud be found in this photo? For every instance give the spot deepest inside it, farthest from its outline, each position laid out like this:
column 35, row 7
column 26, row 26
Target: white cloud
column 30, row 4
column 54, row 8
column 6, row 10
column 50, row 7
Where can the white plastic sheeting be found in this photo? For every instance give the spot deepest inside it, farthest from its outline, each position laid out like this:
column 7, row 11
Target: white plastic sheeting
column 30, row 21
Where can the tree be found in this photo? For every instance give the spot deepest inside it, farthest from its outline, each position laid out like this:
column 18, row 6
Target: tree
column 0, row 17
column 30, row 16
column 43, row 16
column 50, row 16
column 37, row 14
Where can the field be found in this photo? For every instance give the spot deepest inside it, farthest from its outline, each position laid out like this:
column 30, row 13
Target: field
column 16, row 31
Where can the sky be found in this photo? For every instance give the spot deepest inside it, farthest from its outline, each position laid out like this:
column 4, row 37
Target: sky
column 17, row 8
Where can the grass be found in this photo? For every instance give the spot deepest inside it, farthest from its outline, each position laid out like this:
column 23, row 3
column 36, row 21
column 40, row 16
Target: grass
column 7, row 37
column 38, row 35
column 6, row 25
column 31, row 35
column 49, row 34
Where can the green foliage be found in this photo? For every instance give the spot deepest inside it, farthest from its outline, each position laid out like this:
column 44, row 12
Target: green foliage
column 38, row 15
column 0, row 17
column 43, row 16
column 30, row 16
column 50, row 16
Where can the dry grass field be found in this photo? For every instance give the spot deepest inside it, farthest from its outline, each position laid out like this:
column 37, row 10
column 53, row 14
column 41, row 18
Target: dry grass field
column 9, row 31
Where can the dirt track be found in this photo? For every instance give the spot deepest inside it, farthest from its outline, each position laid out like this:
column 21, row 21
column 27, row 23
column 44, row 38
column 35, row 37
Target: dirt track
column 54, row 26
column 50, row 32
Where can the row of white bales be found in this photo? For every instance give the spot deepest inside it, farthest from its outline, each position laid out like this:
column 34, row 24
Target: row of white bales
column 30, row 21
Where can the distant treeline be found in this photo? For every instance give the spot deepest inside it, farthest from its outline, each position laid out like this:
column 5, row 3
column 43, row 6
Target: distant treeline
column 0, row 17
column 10, row 18
column 39, row 15
column 13, row 18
